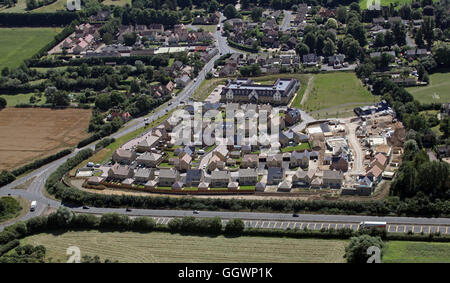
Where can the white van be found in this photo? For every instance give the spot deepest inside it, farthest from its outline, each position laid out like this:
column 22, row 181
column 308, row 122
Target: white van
column 33, row 205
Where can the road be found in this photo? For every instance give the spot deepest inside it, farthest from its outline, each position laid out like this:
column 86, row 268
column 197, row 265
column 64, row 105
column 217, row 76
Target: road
column 318, row 220
column 286, row 24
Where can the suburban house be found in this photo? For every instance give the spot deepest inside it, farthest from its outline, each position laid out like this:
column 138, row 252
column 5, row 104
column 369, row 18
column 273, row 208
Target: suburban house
column 339, row 162
column 250, row 161
column 149, row 159
column 148, row 143
column 275, row 160
column 124, row 156
column 168, row 176
column 333, row 178
column 120, row 172
column 220, row 179
column 143, row 175
column 184, row 163
column 275, row 175
column 293, row 116
column 303, row 178
column 194, row 177
column 248, row 177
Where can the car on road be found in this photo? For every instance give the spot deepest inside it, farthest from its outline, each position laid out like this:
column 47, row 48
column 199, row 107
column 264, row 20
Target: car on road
column 295, row 215
column 195, row 80
column 170, row 103
column 128, row 209
column 196, row 212
column 85, row 207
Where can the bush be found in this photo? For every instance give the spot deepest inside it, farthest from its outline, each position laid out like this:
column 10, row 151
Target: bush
column 143, row 224
column 234, row 227
column 9, row 246
column 6, row 177
column 356, row 251
column 104, row 143
column 114, row 220
column 36, row 224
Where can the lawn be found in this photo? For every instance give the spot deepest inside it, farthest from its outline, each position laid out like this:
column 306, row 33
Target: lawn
column 13, row 100
column 206, row 88
column 161, row 247
column 299, row 147
column 333, row 92
column 117, row 2
column 18, row 44
column 416, row 252
column 436, row 91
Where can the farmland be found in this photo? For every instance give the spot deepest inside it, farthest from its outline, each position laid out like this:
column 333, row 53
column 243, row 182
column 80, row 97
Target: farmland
column 336, row 93
column 398, row 3
column 416, row 252
column 436, row 91
column 19, row 44
column 164, row 247
column 27, row 134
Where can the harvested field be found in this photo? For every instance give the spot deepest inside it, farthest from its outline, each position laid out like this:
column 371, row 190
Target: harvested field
column 161, row 247
column 27, row 134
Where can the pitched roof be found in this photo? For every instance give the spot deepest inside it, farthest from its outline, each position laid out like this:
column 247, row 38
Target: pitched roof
column 333, row 174
column 247, row 173
column 220, row 174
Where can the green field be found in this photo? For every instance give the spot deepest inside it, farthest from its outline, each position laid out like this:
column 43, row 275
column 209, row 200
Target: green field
column 13, row 100
column 166, row 247
column 18, row 44
column 399, row 3
column 436, row 91
column 416, row 252
column 21, row 7
column 117, row 2
column 337, row 92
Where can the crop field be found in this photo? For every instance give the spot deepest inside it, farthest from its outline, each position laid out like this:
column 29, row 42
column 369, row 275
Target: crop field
column 436, row 91
column 18, row 44
column 165, row 247
column 416, row 252
column 30, row 133
column 336, row 92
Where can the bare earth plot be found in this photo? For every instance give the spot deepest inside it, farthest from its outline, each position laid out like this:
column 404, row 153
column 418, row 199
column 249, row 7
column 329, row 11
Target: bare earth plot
column 30, row 133
column 166, row 247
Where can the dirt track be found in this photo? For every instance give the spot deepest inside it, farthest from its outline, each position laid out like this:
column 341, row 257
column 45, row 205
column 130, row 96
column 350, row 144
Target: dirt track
column 30, row 133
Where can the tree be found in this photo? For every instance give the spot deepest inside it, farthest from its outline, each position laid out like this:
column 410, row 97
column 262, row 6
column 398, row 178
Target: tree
column 356, row 251
column 301, row 49
column 61, row 218
column 103, row 101
column 389, row 38
column 310, row 40
column 418, row 39
column 130, row 39
column 56, row 97
column 107, row 38
column 341, row 14
column 399, row 33
column 351, row 48
column 230, row 11
column 441, row 54
column 3, row 103
column 329, row 48
column 379, row 39
column 331, row 23
column 256, row 14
